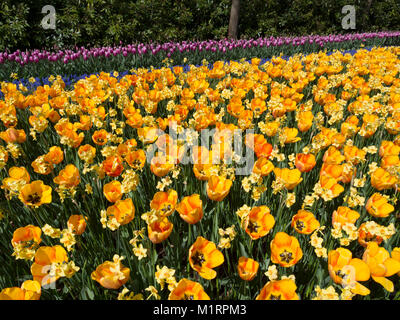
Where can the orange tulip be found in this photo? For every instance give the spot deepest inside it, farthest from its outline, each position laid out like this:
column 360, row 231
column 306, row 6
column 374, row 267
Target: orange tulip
column 218, row 187
column 100, row 137
column 263, row 166
column 68, row 177
column 353, row 154
column 382, row 179
column 113, row 191
column 333, row 156
column 18, row 177
column 159, row 230
column 77, row 223
column 188, row 290
column 55, row 155
column 30, row 290
column 368, row 126
column 305, row 162
column 147, row 134
column 381, row 265
column 161, row 165
column 113, row 165
column 305, row 222
column 35, row 193
column 247, row 268
column 396, row 255
column 85, row 122
column 279, row 290
column 388, row 148
column 271, row 128
column 259, row 144
column 12, row 135
column 134, row 119
column 304, row 120
column 44, row 258
column 330, row 184
column 123, row 211
column 202, row 171
column 111, row 274
column 390, row 161
column 136, row 159
column 42, row 166
column 290, row 135
column 347, row 271
column 29, row 236
column 164, row 202
column 378, row 206
column 204, row 257
column 259, row 222
column 290, row 177
column 344, row 215
column 285, row 250
column 191, row 208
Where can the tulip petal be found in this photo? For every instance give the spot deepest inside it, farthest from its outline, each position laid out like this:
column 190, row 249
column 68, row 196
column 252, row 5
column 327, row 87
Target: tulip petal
column 360, row 289
column 362, row 269
column 392, row 266
column 386, row 283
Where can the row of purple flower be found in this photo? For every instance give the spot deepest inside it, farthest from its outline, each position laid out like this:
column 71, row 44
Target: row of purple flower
column 66, row 56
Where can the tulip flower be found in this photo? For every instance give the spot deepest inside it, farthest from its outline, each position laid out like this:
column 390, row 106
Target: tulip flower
column 305, row 162
column 259, row 222
column 44, row 258
column 204, row 257
column 159, row 230
column 113, row 191
column 304, row 222
column 285, row 250
column 279, row 290
column 382, row 179
column 263, row 167
column 381, row 265
column 123, row 211
column 68, row 177
column 77, row 223
column 161, row 165
column 347, row 271
column 290, row 177
column 164, row 202
column 188, row 290
column 111, row 274
column 30, row 290
column 113, row 165
column 191, row 208
column 218, row 187
column 35, row 193
column 344, row 215
column 18, row 177
column 247, row 268
column 378, row 206
column 100, row 137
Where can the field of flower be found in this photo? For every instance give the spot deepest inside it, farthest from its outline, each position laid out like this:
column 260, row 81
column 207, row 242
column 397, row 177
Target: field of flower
column 259, row 179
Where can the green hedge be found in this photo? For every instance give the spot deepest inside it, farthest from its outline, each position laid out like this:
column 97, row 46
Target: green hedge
column 108, row 22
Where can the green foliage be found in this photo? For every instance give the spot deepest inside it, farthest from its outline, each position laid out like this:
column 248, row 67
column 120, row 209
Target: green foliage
column 108, row 22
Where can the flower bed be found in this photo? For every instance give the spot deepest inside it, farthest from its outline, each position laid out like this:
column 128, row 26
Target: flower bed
column 260, row 179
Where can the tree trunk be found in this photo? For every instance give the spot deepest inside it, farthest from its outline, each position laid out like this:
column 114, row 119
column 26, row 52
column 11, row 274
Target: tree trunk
column 366, row 15
column 234, row 19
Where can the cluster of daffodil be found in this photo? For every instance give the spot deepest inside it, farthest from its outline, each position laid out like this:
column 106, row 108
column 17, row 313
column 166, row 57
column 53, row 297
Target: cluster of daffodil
column 112, row 174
